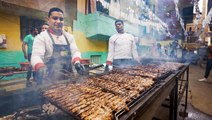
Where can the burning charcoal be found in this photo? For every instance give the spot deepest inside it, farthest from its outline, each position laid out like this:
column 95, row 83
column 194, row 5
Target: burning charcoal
column 49, row 108
column 31, row 117
column 9, row 117
column 21, row 118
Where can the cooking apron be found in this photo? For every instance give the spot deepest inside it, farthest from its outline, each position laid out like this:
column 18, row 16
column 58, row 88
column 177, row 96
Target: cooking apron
column 60, row 60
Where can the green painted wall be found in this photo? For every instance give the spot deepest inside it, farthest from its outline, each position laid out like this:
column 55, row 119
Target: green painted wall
column 102, row 54
column 88, row 46
column 11, row 58
column 12, row 55
column 100, row 26
column 92, row 32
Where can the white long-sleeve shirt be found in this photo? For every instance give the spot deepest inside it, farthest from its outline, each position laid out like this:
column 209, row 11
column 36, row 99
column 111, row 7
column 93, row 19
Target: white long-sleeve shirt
column 43, row 47
column 122, row 46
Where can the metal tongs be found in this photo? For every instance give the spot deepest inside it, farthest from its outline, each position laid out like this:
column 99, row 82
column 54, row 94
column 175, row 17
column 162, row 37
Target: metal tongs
column 93, row 68
column 87, row 71
column 65, row 72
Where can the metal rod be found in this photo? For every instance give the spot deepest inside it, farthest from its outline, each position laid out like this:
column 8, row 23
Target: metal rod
column 171, row 102
column 176, row 99
column 186, row 98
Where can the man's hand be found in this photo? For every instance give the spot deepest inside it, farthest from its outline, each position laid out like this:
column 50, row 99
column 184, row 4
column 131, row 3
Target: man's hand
column 80, row 69
column 138, row 60
column 41, row 74
column 25, row 56
column 24, row 50
column 107, row 68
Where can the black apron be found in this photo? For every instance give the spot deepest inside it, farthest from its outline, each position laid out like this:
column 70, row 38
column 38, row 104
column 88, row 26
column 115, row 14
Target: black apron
column 60, row 60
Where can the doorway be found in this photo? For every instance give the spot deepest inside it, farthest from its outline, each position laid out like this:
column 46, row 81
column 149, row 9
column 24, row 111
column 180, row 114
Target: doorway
column 27, row 23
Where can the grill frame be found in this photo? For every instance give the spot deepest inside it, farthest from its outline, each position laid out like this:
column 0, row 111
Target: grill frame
column 143, row 103
column 168, row 79
column 140, row 101
column 141, row 110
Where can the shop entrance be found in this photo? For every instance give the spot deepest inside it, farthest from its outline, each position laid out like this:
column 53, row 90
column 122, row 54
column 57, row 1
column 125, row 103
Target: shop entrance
column 27, row 23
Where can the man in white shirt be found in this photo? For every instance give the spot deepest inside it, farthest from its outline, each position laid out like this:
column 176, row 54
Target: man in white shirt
column 122, row 49
column 44, row 27
column 54, row 50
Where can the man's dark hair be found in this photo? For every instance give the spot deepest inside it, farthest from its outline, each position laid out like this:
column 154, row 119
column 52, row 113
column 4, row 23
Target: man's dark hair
column 32, row 29
column 53, row 10
column 45, row 24
column 119, row 21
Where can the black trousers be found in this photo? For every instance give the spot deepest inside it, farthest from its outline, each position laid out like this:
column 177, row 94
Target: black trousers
column 121, row 63
column 29, row 72
column 208, row 68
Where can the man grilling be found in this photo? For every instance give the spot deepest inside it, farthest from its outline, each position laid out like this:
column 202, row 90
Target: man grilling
column 54, row 50
column 122, row 51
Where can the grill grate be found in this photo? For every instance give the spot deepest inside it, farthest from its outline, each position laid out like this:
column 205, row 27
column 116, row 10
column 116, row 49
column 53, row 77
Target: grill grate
column 96, row 83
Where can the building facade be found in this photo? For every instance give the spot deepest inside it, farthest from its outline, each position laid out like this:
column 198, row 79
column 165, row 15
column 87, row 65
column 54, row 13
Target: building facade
column 90, row 21
column 195, row 27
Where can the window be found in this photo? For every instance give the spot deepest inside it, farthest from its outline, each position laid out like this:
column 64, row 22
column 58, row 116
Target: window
column 101, row 8
column 97, row 5
column 96, row 59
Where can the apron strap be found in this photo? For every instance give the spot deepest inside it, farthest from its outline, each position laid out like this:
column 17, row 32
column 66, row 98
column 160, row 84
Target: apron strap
column 53, row 39
column 66, row 40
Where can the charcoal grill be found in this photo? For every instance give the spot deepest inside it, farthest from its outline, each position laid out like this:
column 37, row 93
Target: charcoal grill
column 164, row 85
column 26, row 99
column 142, row 107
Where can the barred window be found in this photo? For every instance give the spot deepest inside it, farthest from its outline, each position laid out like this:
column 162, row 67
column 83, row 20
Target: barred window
column 96, row 59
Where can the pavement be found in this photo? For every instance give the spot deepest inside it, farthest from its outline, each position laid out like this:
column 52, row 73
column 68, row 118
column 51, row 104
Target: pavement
column 200, row 92
column 199, row 105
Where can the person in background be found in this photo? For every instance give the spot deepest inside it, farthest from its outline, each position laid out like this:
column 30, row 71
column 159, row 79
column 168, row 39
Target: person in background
column 189, row 35
column 28, row 42
column 173, row 46
column 208, row 64
column 122, row 49
column 44, row 27
column 139, row 48
column 156, row 50
column 55, row 50
column 153, row 50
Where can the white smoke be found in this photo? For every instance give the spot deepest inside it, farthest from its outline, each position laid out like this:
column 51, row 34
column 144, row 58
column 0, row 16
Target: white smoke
column 179, row 17
column 207, row 19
